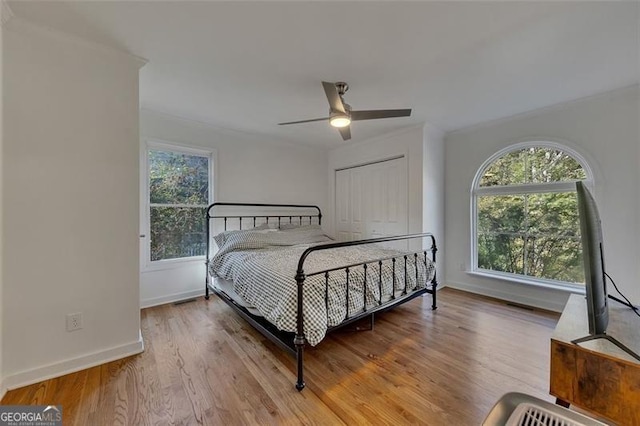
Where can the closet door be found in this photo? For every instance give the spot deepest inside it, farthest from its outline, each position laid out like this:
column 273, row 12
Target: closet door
column 350, row 223
column 343, row 213
column 357, row 185
column 371, row 200
column 387, row 204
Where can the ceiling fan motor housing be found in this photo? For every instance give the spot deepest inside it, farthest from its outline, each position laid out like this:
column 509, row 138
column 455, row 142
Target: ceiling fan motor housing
column 342, row 87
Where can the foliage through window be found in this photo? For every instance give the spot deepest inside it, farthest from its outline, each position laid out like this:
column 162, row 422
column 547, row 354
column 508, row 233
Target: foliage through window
column 526, row 215
column 178, row 196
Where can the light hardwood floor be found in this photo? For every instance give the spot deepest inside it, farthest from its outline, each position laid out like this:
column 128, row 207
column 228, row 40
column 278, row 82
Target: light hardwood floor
column 204, row 365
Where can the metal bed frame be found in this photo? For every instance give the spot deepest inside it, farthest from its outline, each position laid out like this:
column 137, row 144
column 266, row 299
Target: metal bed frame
column 294, row 342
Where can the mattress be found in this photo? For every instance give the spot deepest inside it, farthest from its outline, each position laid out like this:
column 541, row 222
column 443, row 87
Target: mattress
column 262, row 267
column 226, row 286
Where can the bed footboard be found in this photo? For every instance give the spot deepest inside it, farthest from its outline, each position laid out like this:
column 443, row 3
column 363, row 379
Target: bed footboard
column 405, row 296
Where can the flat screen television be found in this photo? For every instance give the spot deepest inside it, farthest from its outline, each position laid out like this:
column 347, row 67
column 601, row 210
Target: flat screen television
column 594, row 272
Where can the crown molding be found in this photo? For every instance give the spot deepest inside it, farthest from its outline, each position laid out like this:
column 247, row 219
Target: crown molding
column 5, row 13
column 22, row 25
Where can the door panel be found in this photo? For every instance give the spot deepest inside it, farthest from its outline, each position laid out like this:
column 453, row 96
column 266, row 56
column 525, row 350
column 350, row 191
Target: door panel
column 371, row 201
column 393, row 194
column 397, row 204
column 357, row 225
column 343, row 216
column 377, row 203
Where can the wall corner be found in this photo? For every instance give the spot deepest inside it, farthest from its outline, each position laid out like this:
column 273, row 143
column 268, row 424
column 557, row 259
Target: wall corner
column 433, row 195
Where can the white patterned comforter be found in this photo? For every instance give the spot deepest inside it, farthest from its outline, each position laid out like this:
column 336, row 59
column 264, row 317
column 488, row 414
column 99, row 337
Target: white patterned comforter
column 262, row 266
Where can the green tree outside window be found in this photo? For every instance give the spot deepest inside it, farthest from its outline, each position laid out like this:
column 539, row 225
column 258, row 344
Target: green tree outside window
column 178, row 197
column 527, row 216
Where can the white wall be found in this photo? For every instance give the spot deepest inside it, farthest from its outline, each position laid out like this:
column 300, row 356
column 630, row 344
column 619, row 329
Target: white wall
column 5, row 15
column 433, row 219
column 408, row 142
column 604, row 129
column 70, row 203
column 249, row 169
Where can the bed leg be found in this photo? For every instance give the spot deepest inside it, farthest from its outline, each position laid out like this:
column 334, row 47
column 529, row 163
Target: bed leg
column 434, row 287
column 206, row 267
column 299, row 342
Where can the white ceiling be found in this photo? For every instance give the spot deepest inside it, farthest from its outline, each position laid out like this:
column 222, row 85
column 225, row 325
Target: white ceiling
column 249, row 65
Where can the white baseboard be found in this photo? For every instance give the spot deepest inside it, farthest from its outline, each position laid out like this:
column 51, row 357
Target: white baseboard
column 39, row 374
column 549, row 305
column 170, row 298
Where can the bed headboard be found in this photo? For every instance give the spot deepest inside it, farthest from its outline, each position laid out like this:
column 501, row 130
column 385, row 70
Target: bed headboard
column 224, row 216
column 251, row 215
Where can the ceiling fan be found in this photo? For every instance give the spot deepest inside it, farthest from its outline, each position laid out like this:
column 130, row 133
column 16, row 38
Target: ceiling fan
column 341, row 115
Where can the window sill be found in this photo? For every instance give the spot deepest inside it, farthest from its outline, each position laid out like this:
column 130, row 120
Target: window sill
column 163, row 265
column 548, row 284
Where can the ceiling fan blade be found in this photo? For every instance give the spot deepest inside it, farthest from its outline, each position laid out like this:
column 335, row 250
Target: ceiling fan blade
column 333, row 97
column 345, row 132
column 304, row 121
column 379, row 113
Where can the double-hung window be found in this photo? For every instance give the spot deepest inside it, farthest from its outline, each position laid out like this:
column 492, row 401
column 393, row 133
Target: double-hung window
column 525, row 224
column 179, row 189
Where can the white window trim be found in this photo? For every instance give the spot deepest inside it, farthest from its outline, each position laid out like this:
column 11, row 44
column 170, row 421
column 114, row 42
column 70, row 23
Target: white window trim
column 526, row 280
column 146, row 264
column 476, row 190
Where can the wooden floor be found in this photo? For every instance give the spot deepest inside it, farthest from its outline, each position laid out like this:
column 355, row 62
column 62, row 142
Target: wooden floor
column 204, row 365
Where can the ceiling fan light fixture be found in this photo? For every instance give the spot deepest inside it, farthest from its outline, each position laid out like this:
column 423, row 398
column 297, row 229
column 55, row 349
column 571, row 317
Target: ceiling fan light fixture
column 341, row 115
column 340, row 121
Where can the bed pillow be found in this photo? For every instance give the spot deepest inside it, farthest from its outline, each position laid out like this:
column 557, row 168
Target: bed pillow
column 291, row 226
column 287, row 226
column 222, row 237
column 294, row 227
column 248, row 240
column 261, row 227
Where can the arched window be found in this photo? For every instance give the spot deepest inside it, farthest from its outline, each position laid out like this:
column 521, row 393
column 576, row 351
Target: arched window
column 525, row 224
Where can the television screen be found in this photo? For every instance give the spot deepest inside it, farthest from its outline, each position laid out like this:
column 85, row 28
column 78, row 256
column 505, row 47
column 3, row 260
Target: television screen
column 592, row 253
column 594, row 272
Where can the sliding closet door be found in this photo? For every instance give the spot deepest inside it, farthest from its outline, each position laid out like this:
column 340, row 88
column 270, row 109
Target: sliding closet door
column 371, row 200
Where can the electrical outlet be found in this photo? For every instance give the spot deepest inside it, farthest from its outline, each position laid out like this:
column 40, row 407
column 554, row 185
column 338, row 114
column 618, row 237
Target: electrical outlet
column 74, row 321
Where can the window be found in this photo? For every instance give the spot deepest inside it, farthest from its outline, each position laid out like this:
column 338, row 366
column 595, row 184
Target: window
column 178, row 193
column 525, row 217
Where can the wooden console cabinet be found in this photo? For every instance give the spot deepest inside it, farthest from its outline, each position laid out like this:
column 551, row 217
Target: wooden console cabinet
column 596, row 375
